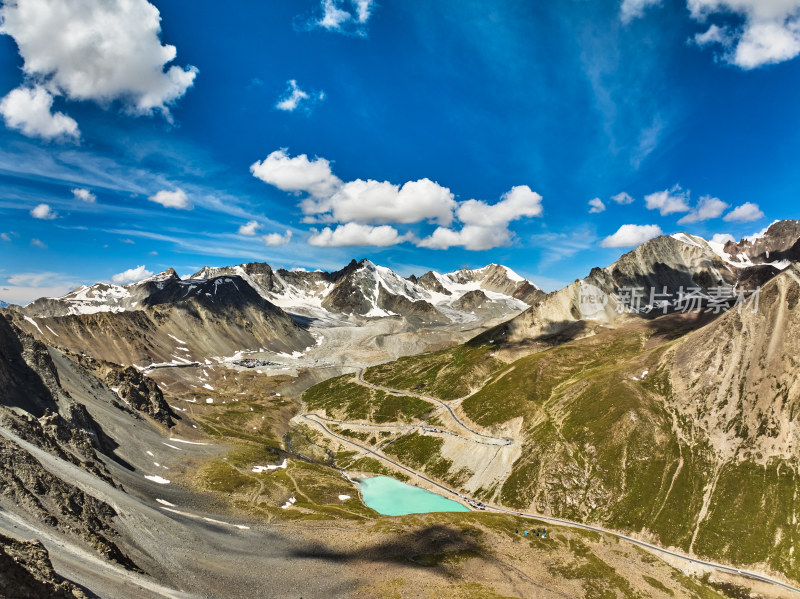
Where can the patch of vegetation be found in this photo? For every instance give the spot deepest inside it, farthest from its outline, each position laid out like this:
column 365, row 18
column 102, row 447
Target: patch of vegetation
column 446, row 374
column 599, row 579
column 367, row 464
column 658, row 585
column 751, row 517
column 344, row 399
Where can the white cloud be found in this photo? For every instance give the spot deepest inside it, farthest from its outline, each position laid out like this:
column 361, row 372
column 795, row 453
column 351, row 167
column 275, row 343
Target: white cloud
column 745, row 213
column 713, row 35
column 294, row 97
column 5, row 236
column 381, row 202
column 132, row 275
column 172, row 199
column 722, row 238
column 519, row 201
column 344, row 17
column 30, row 111
column 99, row 50
column 298, row 174
column 668, row 201
column 597, row 206
column 486, row 225
column 370, row 202
column 471, row 237
column 623, row 198
column 276, row 239
column 44, row 212
column 250, row 228
column 21, row 288
column 84, row 195
column 38, row 243
column 769, row 32
column 707, row 208
column 357, row 234
column 633, row 9
column 631, row 235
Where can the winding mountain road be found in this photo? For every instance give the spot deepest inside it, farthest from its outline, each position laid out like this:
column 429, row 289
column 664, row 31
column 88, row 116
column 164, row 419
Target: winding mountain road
column 489, row 440
column 313, row 418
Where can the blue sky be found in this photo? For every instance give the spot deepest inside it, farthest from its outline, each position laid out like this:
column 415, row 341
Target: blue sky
column 417, row 134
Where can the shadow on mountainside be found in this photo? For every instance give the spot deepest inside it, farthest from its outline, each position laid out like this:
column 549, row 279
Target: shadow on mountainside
column 435, row 546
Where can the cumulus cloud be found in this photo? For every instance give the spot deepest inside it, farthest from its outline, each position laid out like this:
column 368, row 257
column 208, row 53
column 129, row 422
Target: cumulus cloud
column 298, row 174
column 769, row 31
column 381, row 202
column 84, row 195
column 745, row 213
column 352, row 234
column 516, row 203
column 753, row 33
column 633, row 9
column 597, row 206
column 250, row 228
column 30, row 111
column 294, row 98
column 172, row 199
column 5, row 236
column 132, row 275
column 486, row 225
column 38, row 243
column 276, row 239
column 707, row 208
column 631, row 235
column 340, row 16
column 368, row 203
column 668, row 201
column 722, row 238
column 98, row 50
column 43, row 212
column 622, row 198
column 470, row 237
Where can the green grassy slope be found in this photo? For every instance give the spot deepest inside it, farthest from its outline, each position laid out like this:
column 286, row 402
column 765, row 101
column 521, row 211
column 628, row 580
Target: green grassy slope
column 599, row 446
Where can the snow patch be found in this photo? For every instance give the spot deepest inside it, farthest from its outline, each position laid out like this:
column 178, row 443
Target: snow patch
column 259, row 469
column 157, row 479
column 34, row 323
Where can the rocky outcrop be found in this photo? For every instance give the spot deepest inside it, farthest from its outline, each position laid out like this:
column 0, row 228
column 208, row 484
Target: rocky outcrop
column 780, row 241
column 27, row 573
column 471, row 300
column 141, row 393
column 57, row 503
column 417, row 312
column 431, row 282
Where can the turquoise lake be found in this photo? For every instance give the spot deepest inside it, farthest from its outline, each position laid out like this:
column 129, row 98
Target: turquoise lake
column 390, row 497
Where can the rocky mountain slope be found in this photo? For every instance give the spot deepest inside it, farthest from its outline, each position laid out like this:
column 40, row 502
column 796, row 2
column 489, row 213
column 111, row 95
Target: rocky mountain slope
column 661, row 276
column 678, row 428
column 776, row 244
column 99, row 498
column 165, row 321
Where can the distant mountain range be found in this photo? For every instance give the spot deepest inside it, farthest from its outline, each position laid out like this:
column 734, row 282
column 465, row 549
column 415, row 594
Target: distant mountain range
column 219, row 311
column 360, row 289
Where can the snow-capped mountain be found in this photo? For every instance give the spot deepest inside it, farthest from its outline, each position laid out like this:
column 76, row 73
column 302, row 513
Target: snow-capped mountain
column 368, row 290
column 778, row 245
column 360, row 289
column 661, row 271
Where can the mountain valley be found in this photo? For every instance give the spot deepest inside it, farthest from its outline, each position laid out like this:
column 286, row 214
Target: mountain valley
column 204, row 436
